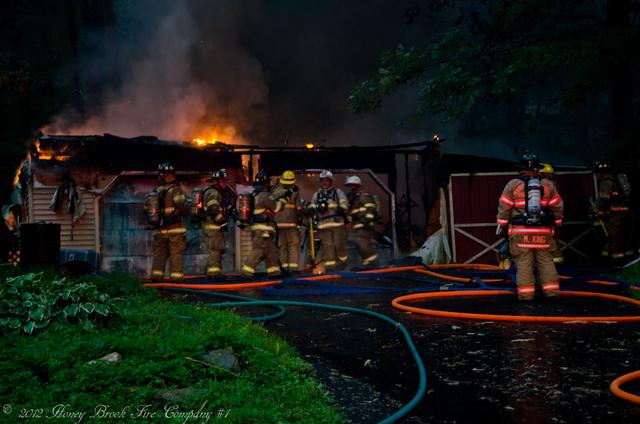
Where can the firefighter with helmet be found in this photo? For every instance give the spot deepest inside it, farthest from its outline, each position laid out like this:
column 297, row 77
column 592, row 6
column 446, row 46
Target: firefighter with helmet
column 529, row 209
column 263, row 228
column 330, row 205
column 549, row 173
column 166, row 208
column 216, row 210
column 287, row 220
column 613, row 212
column 363, row 214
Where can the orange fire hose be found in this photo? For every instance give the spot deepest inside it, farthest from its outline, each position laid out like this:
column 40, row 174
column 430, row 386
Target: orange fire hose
column 387, row 270
column 252, row 285
column 480, row 267
column 452, row 278
column 616, row 390
column 486, row 267
column 397, row 303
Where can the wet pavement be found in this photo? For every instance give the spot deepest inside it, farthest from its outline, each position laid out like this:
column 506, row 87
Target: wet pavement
column 477, row 371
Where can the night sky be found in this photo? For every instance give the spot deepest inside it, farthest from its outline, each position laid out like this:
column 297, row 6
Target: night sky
column 279, row 71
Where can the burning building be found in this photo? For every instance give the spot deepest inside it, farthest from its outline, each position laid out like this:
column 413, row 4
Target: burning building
column 94, row 188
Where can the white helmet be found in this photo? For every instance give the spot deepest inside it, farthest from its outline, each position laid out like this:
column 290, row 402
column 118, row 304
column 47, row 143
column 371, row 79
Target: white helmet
column 353, row 180
column 325, row 173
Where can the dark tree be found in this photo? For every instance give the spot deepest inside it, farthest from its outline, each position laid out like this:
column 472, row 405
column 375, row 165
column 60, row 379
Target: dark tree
column 40, row 45
column 577, row 59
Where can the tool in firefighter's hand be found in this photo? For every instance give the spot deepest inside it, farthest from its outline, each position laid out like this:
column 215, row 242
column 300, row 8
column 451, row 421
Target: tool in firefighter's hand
column 312, row 245
column 308, row 209
column 600, row 223
column 597, row 214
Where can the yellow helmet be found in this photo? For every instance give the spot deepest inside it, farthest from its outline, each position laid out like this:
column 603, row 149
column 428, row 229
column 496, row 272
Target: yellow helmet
column 288, row 177
column 546, row 169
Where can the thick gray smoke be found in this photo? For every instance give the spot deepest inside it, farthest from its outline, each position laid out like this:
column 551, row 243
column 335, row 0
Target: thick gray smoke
column 173, row 79
column 267, row 73
column 243, row 71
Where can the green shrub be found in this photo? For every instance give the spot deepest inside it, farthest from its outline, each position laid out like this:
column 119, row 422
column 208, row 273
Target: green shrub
column 632, row 276
column 31, row 302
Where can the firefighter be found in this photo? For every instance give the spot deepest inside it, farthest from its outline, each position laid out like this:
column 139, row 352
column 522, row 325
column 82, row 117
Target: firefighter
column 287, row 220
column 263, row 229
column 169, row 238
column 613, row 212
column 548, row 172
column 330, row 205
column 216, row 210
column 363, row 214
column 528, row 209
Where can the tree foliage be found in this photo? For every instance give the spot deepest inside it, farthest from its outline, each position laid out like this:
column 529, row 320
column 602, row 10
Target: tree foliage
column 40, row 43
column 565, row 55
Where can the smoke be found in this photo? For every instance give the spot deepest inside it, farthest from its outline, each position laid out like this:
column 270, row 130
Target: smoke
column 242, row 71
column 173, row 79
column 268, row 73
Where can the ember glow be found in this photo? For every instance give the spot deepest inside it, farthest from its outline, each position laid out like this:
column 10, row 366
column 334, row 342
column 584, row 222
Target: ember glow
column 220, row 134
column 16, row 177
column 46, row 154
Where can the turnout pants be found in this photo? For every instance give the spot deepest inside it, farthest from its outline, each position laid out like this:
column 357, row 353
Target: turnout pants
column 556, row 252
column 262, row 248
column 526, row 260
column 216, row 246
column 363, row 238
column 169, row 246
column 289, row 248
column 334, row 246
column 619, row 239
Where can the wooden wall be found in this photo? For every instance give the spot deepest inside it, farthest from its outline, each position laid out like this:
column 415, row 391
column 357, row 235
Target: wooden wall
column 81, row 234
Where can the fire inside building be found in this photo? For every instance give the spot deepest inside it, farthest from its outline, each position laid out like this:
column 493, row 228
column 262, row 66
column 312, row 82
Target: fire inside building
column 85, row 194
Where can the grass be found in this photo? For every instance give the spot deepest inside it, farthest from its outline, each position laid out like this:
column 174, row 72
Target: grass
column 155, row 337
column 632, row 275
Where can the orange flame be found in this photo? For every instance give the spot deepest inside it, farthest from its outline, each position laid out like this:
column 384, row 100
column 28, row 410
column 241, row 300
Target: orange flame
column 217, row 134
column 16, row 177
column 45, row 154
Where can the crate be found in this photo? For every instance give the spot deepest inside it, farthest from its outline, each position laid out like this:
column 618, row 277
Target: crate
column 80, row 255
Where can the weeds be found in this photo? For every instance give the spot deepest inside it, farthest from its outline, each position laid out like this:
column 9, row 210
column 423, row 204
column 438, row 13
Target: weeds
column 156, row 338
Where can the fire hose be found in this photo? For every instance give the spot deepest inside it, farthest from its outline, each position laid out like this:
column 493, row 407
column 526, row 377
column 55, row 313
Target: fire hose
column 456, row 289
column 398, row 304
column 267, row 283
column 247, row 301
column 616, row 390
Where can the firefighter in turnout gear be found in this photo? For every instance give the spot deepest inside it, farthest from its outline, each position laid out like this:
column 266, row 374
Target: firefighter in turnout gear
column 364, row 217
column 169, row 239
column 549, row 173
column 330, row 205
column 216, row 213
column 263, row 229
column 528, row 209
column 613, row 212
column 287, row 220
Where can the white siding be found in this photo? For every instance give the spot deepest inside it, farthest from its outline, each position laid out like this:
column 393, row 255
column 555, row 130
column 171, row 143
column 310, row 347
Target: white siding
column 82, row 235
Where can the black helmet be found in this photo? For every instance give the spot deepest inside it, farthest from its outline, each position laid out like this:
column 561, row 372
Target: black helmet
column 530, row 161
column 218, row 174
column 166, row 168
column 261, row 180
column 602, row 167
